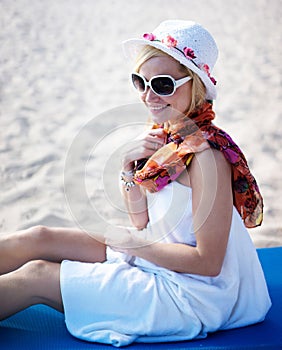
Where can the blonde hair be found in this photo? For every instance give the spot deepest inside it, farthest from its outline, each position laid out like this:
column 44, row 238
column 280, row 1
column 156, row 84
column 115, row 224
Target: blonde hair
column 198, row 88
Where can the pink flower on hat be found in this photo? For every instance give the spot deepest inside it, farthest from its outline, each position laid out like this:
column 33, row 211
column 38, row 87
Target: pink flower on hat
column 149, row 36
column 169, row 41
column 204, row 67
column 213, row 80
column 189, row 53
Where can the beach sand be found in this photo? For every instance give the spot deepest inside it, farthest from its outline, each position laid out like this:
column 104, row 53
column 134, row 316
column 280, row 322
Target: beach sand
column 64, row 86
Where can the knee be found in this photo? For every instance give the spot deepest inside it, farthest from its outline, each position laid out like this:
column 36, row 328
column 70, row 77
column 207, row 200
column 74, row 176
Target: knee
column 39, row 234
column 29, row 240
column 31, row 275
column 35, row 269
column 40, row 280
column 39, row 230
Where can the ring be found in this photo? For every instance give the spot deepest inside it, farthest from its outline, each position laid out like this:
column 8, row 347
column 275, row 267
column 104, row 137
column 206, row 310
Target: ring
column 156, row 146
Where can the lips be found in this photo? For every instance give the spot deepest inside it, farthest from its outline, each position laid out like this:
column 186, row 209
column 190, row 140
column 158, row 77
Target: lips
column 157, row 107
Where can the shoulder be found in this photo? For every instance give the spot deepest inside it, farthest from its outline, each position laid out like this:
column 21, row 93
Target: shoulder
column 210, row 168
column 211, row 158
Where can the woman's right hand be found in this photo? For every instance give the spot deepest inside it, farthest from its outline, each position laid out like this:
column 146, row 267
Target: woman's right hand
column 143, row 147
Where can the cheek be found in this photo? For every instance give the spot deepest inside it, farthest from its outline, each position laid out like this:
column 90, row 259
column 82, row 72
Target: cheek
column 185, row 104
column 142, row 97
column 186, row 97
column 181, row 100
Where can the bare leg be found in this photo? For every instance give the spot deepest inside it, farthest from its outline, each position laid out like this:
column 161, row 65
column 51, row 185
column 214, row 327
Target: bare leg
column 51, row 244
column 37, row 282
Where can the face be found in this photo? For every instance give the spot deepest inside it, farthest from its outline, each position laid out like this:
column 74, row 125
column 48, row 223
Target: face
column 164, row 108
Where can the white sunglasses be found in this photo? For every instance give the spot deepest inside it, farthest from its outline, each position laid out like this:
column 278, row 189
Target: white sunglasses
column 161, row 85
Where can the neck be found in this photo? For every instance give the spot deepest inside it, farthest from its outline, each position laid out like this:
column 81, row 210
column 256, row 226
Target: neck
column 187, row 124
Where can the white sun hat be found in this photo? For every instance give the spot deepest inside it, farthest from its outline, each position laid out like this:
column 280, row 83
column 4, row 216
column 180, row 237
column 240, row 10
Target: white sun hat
column 187, row 42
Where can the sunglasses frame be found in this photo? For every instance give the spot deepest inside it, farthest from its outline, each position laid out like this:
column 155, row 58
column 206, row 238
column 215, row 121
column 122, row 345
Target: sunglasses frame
column 176, row 83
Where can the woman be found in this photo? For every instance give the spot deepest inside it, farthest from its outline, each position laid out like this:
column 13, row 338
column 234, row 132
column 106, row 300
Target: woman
column 189, row 267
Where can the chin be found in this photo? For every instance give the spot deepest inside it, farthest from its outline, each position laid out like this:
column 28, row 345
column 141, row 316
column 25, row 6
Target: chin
column 159, row 119
column 162, row 116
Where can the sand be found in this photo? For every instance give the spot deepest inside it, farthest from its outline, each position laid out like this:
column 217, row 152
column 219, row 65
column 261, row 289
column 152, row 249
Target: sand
column 63, row 73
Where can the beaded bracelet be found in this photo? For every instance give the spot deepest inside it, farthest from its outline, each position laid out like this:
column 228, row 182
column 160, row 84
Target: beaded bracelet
column 126, row 178
column 129, row 173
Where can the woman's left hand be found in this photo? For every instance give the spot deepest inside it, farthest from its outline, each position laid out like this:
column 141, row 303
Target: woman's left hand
column 124, row 240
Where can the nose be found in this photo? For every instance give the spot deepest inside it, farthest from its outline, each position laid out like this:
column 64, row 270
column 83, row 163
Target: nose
column 150, row 95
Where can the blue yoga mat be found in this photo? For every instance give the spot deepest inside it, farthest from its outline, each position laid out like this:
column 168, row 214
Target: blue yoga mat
column 40, row 327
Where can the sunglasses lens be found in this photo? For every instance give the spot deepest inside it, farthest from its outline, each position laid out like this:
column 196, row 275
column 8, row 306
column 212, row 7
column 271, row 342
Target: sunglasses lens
column 138, row 82
column 163, row 85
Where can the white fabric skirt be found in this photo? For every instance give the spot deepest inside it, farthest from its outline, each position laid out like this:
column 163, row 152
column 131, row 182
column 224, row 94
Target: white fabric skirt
column 117, row 303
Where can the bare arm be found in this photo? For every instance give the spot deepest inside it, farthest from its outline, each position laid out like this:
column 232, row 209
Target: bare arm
column 136, row 205
column 135, row 197
column 210, row 177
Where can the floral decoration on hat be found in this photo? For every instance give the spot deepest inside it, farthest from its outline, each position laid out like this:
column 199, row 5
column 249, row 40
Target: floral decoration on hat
column 188, row 52
column 149, row 36
column 169, row 41
column 206, row 69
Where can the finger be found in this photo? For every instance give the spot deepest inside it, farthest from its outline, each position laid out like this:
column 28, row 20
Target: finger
column 119, row 250
column 154, row 146
column 157, row 133
column 155, row 139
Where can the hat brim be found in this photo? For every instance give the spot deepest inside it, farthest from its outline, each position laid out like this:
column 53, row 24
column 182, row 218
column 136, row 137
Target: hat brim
column 132, row 48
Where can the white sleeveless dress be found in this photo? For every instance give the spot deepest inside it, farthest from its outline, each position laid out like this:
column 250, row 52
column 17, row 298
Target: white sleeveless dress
column 128, row 299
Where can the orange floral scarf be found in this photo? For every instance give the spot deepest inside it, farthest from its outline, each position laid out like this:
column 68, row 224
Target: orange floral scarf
column 195, row 134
